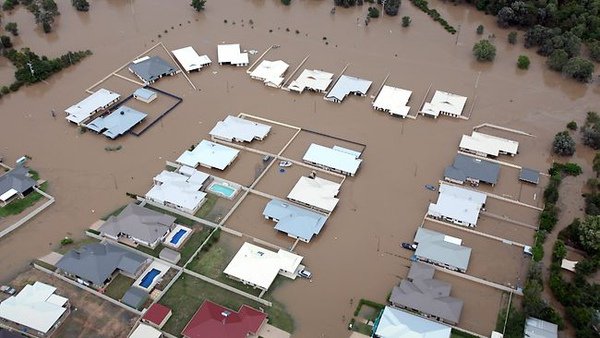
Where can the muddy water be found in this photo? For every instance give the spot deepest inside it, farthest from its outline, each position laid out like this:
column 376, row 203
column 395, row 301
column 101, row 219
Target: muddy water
column 379, row 208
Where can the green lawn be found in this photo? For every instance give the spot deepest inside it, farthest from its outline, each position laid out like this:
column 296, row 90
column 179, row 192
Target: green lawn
column 362, row 328
column 118, row 286
column 461, row 334
column 197, row 238
column 178, row 218
column 18, row 205
column 188, row 293
column 207, row 207
column 152, row 252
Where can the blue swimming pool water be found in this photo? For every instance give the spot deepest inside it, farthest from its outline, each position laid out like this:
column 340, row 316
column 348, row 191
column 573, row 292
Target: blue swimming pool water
column 149, row 277
column 222, row 190
column 175, row 239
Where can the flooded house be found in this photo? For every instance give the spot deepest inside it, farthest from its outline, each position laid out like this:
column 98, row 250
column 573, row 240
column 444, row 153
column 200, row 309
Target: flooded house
column 337, row 159
column 235, row 129
column 312, row 80
column 393, row 323
column 180, row 189
column 457, row 205
column 487, row 145
column 347, row 85
column 271, row 73
column 209, row 155
column 149, row 69
column 442, row 250
column 117, row 123
column 444, row 103
column 230, row 54
column 190, row 60
column 393, row 100
column 15, row 184
column 316, row 193
column 99, row 100
column 295, row 221
column 467, row 169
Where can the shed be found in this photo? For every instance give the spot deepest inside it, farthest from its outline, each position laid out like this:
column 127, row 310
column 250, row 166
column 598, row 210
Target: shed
column 134, row 297
column 157, row 315
column 144, row 95
column 529, row 175
column 169, row 255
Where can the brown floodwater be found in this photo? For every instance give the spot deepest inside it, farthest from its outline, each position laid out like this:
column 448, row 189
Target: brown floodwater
column 379, row 208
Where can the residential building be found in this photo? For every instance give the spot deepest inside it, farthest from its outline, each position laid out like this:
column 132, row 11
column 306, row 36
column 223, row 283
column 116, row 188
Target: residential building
column 230, row 55
column 296, row 221
column 346, row 85
column 117, row 123
column 488, row 145
column 336, row 159
column 145, row 331
column 443, row 250
column 138, row 224
column 258, row 267
column 180, row 189
column 393, row 101
column 313, row 80
column 239, row 130
column 189, row 59
column 157, row 315
column 537, row 328
column 529, row 175
column 467, row 169
column 96, row 264
column 210, row 155
column 316, row 193
column 270, row 72
column 36, row 310
column 145, row 95
column 14, row 184
column 430, row 297
column 151, row 68
column 394, row 323
column 445, row 104
column 213, row 320
column 97, row 101
column 458, row 205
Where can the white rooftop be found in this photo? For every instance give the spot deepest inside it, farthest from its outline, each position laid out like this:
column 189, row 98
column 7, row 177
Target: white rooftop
column 189, row 59
column 260, row 266
column 231, row 54
column 182, row 189
column 458, row 203
column 488, row 144
column 270, row 72
column 393, row 100
column 395, row 323
column 316, row 80
column 79, row 112
column 36, row 307
column 238, row 129
column 145, row 331
column 444, row 102
column 209, row 154
column 332, row 158
column 317, row 192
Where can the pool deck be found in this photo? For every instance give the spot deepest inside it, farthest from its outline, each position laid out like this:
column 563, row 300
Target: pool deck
column 154, row 265
column 167, row 241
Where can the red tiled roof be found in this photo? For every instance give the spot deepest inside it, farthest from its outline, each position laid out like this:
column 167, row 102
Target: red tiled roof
column 156, row 314
column 213, row 320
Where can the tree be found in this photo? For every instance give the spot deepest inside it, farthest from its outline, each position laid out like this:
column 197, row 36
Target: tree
column 589, row 234
column 596, row 164
column 373, row 12
column 512, row 38
column 479, row 30
column 198, row 5
column 5, row 42
column 572, row 125
column 9, row 4
column 391, row 7
column 579, row 69
column 594, row 48
column 12, row 28
column 81, row 5
column 406, row 21
column 484, row 50
column 523, row 62
column 286, row 2
column 563, row 144
column 344, row 3
column 557, row 60
column 505, row 17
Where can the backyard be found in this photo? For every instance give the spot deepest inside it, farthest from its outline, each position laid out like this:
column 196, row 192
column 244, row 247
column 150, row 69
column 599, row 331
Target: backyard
column 118, row 286
column 18, row 205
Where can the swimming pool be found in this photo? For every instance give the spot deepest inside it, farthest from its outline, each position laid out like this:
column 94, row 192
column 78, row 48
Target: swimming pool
column 149, row 278
column 223, row 189
column 178, row 235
